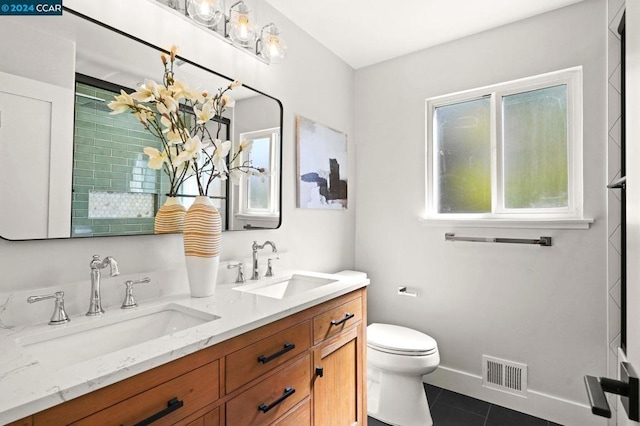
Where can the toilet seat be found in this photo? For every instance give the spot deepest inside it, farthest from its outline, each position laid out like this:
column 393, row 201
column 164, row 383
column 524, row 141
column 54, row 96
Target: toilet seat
column 394, row 339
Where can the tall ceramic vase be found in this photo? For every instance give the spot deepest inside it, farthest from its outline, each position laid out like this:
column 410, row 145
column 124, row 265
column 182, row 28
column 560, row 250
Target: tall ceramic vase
column 170, row 217
column 202, row 236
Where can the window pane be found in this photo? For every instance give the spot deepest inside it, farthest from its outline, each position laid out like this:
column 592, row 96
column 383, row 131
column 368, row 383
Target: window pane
column 463, row 153
column 535, row 148
column 259, row 185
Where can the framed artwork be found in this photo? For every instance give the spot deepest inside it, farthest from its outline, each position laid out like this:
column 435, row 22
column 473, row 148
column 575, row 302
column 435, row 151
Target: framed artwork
column 322, row 166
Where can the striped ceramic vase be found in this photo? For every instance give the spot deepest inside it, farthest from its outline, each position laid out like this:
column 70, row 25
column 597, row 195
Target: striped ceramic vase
column 202, row 236
column 170, row 217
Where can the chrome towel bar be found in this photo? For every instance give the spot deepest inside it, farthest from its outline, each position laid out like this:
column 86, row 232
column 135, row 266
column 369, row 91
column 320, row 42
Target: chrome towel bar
column 542, row 241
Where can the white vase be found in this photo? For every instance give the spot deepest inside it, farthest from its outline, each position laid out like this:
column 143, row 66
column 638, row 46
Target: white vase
column 202, row 237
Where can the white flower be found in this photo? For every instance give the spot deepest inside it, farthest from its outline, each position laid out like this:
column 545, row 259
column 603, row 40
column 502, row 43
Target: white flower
column 144, row 115
column 205, row 114
column 227, row 101
column 156, row 158
column 122, row 103
column 169, row 102
column 177, row 136
column 220, row 154
column 180, row 90
column 147, row 92
column 190, row 150
column 235, row 84
column 245, row 146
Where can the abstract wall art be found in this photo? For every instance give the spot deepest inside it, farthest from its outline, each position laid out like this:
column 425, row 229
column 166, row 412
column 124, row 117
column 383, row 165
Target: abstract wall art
column 322, row 166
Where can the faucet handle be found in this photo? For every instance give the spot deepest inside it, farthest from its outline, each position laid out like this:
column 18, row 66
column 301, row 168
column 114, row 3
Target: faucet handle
column 240, row 278
column 269, row 272
column 129, row 302
column 59, row 315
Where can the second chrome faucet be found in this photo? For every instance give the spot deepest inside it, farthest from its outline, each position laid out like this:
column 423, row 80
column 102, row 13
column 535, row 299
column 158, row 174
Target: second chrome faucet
column 255, row 247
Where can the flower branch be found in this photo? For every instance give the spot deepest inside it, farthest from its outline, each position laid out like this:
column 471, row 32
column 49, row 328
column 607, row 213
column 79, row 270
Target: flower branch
column 187, row 151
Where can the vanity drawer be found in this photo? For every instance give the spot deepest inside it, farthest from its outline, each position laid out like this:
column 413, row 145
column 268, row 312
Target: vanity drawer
column 265, row 402
column 337, row 319
column 195, row 390
column 299, row 416
column 254, row 360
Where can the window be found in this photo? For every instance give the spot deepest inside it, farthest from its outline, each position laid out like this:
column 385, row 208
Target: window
column 259, row 194
column 508, row 151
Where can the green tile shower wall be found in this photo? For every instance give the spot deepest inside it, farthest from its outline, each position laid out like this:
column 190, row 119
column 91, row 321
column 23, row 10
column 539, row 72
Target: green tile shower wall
column 108, row 157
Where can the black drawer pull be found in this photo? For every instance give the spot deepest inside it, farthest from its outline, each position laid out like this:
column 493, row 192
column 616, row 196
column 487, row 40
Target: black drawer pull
column 287, row 347
column 346, row 318
column 172, row 406
column 287, row 393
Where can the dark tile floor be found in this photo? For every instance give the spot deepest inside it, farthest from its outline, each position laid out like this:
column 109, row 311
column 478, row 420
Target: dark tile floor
column 453, row 409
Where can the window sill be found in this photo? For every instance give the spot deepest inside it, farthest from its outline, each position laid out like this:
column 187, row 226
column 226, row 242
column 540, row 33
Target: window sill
column 511, row 223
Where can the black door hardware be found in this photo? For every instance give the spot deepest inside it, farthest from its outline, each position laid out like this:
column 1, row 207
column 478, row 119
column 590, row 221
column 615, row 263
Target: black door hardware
column 319, row 371
column 627, row 388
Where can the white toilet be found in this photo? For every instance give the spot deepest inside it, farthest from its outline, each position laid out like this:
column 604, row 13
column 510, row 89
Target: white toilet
column 397, row 358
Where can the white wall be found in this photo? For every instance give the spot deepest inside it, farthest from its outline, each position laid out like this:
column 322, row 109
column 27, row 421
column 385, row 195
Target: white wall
column 312, row 82
column 545, row 307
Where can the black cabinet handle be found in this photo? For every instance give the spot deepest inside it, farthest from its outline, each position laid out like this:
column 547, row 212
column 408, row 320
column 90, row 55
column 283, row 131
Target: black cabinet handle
column 319, row 371
column 346, row 318
column 287, row 393
column 287, row 347
column 172, row 405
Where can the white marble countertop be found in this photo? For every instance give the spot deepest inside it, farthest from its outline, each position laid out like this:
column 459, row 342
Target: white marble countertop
column 28, row 385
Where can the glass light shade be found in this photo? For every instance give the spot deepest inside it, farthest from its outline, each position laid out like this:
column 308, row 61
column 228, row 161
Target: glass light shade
column 242, row 29
column 274, row 48
column 205, row 12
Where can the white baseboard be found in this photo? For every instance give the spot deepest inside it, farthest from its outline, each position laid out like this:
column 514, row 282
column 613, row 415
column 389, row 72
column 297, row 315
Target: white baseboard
column 567, row 413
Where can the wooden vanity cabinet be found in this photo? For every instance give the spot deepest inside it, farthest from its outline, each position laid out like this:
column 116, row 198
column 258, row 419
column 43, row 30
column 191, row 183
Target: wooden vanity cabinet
column 305, row 369
column 339, row 386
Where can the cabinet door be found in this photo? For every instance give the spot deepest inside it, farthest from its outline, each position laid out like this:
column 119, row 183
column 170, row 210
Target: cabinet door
column 338, row 386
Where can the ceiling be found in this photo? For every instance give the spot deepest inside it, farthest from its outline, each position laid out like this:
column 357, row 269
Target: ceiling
column 365, row 32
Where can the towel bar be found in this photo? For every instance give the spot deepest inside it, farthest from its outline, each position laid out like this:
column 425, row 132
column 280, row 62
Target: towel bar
column 542, row 241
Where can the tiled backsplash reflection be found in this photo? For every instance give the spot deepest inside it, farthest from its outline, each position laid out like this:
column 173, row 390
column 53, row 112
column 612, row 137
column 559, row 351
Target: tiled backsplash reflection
column 108, row 159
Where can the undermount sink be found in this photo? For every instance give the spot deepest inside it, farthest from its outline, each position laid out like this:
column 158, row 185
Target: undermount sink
column 74, row 343
column 283, row 288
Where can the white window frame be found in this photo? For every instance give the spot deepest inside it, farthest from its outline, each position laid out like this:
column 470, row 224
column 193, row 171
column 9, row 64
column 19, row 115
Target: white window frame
column 273, row 134
column 569, row 217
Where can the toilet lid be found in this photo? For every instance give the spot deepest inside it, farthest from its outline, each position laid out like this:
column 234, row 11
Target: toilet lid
column 399, row 340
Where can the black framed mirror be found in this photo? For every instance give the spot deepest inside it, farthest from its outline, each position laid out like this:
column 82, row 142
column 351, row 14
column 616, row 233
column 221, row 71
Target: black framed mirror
column 75, row 170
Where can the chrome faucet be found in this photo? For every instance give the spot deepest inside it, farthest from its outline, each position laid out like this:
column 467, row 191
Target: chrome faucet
column 255, row 247
column 95, row 300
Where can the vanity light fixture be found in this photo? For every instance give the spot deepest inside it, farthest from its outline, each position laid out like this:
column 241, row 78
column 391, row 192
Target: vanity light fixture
column 204, row 12
column 238, row 27
column 270, row 45
column 241, row 25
